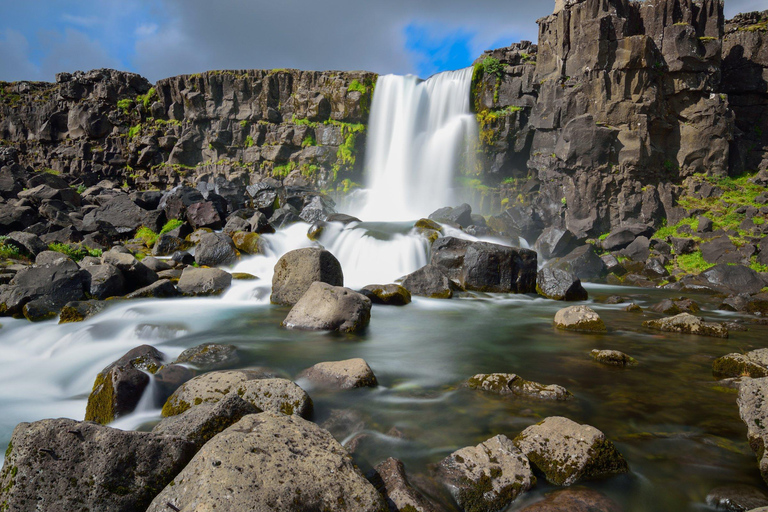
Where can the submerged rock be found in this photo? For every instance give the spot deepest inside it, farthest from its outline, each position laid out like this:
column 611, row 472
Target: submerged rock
column 292, row 464
column 296, row 270
column 387, row 294
column 488, row 476
column 511, row 384
column 753, row 409
column 348, row 374
column 65, row 464
column 390, row 480
column 613, row 358
column 210, row 356
column 579, row 318
column 118, row 387
column 567, row 452
column 676, row 306
column 688, row 324
column 737, row 498
column 560, row 285
column 429, row 281
column 330, row 308
column 752, row 364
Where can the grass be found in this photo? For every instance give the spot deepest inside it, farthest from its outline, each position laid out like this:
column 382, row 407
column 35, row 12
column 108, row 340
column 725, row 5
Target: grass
column 146, row 235
column 171, row 225
column 357, row 86
column 9, row 250
column 133, row 131
column 249, row 141
column 308, row 141
column 147, row 99
column 75, row 252
column 125, row 105
column 281, row 171
column 693, row 263
column 665, row 231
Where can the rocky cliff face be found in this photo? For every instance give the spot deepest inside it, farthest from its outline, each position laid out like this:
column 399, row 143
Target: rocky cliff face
column 600, row 123
column 239, row 125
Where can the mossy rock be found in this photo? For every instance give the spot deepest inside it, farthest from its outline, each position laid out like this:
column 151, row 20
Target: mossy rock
column 243, row 276
column 249, row 243
column 685, row 323
column 428, row 224
column 613, row 358
column 511, row 384
column 387, row 294
column 752, row 364
column 579, row 318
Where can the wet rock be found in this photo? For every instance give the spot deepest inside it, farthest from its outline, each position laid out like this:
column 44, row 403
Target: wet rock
column 488, row 476
column 347, row 374
column 118, row 387
column 555, row 242
column 582, row 261
column 461, row 215
column 579, row 318
column 676, row 306
column 250, row 243
column 296, row 270
column 297, row 466
column 77, row 311
column 387, row 294
column 199, row 424
column 390, row 480
column 512, row 384
column 161, row 289
column 613, row 358
column 64, row 464
column 753, row 364
column 55, row 283
column 168, row 379
column 167, row 244
column 743, row 303
column 429, row 281
column 106, row 281
column 209, row 356
column 203, row 281
column 687, row 324
column 567, row 452
column 330, row 308
column 578, row 499
column 136, row 274
column 496, row 268
column 215, row 249
column 633, row 308
column 559, row 285
column 753, row 409
column 736, row 498
column 183, row 257
column 448, row 255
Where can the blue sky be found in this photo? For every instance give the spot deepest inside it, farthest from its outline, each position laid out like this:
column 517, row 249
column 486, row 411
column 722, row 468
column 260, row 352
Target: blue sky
column 161, row 38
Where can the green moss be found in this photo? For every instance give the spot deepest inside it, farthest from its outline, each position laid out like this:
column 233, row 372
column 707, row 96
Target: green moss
column 147, row 99
column 244, row 123
column 9, row 450
column 693, row 263
column 173, row 406
column 281, row 171
column 171, row 225
column 308, row 141
column 730, row 366
column 133, row 131
column 146, row 235
column 125, row 105
column 356, row 86
column 249, row 141
column 75, row 252
column 101, row 403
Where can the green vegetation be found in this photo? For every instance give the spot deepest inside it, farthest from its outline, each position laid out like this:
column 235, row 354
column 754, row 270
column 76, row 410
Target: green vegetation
column 9, row 250
column 356, row 86
column 346, row 185
column 761, row 26
column 75, row 252
column 249, row 141
column 309, row 170
column 281, row 171
column 303, row 122
column 146, row 235
column 488, row 66
column 171, row 225
column 487, row 121
column 244, row 123
column 133, row 131
column 48, row 170
column 693, row 263
column 147, row 99
column 308, row 141
column 125, row 105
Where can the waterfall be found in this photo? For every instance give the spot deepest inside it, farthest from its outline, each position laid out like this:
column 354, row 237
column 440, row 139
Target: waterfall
column 418, row 133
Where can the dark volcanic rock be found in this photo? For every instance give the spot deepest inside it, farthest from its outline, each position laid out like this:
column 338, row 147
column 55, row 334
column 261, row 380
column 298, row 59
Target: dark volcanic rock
column 70, row 465
column 215, row 249
column 429, row 281
column 582, row 261
column 497, row 268
column 461, row 215
column 734, row 278
column 387, row 294
column 555, row 242
column 296, row 270
column 56, row 283
column 203, row 281
column 106, row 281
column 559, row 285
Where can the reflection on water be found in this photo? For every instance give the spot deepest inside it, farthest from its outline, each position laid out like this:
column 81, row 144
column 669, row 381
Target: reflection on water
column 679, row 431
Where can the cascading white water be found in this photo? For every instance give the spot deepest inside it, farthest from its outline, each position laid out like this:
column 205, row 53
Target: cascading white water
column 418, row 132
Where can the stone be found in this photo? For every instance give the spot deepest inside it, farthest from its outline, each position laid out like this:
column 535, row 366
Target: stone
column 215, row 249
column 676, row 306
column 752, row 364
column 390, row 480
column 118, row 387
column 575, row 499
column 209, row 356
column 683, row 245
column 296, row 270
column 488, row 476
column 733, row 278
column 583, row 261
column 250, row 243
column 737, row 497
column 512, row 384
column 567, row 452
column 78, row 311
column 155, row 264
column 460, row 216
column 201, row 423
column 687, row 323
column 613, row 358
column 579, row 318
column 347, row 374
column 704, row 225
column 447, row 254
column 559, row 285
column 555, row 242
column 168, row 379
column 122, row 214
column 429, row 281
column 203, row 281
column 64, row 464
column 720, row 250
column 203, row 215
column 167, row 244
column 106, row 281
column 55, row 283
column 28, row 242
column 753, row 409
column 387, row 294
column 330, row 308
column 622, row 236
column 161, row 289
column 638, row 250
column 136, row 274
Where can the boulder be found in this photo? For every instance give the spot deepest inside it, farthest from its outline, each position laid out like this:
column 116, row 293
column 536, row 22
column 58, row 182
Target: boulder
column 136, row 274
column 28, row 242
column 209, row 356
column 155, row 265
column 752, row 364
column 161, row 289
column 166, row 244
column 579, row 318
column 743, row 303
column 250, row 243
column 721, row 250
column 387, row 294
column 203, row 215
column 296, row 270
column 292, row 465
column 122, row 214
column 613, row 358
column 488, row 476
column 567, row 452
column 215, row 249
column 118, row 387
column 753, row 409
column 78, row 311
column 555, row 242
column 390, row 480
column 622, row 236
column 582, row 261
column 330, row 308
column 203, row 281
column 688, row 324
column 638, row 250
column 737, row 497
column 676, row 306
column 559, row 285
column 201, row 423
column 348, row 374
column 447, row 254
column 429, row 281
column 106, row 281
column 55, row 283
column 511, row 384
column 65, row 464
column 496, row 268
column 733, row 278
column 461, row 215
column 577, row 499
column 683, row 245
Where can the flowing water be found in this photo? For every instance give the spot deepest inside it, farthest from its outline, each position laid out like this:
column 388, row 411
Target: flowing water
column 678, row 429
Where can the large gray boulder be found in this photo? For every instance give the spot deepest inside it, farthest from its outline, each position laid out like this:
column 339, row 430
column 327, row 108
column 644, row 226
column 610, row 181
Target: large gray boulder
column 567, row 452
column 686, row 323
column 55, row 284
column 209, row 356
column 582, row 261
column 136, row 274
column 488, row 476
column 292, row 465
column 118, row 387
column 106, row 281
column 296, row 270
column 752, row 364
column 347, row 374
column 429, row 281
column 559, row 284
column 753, row 409
column 64, row 464
column 203, row 281
column 330, row 308
column 215, row 249
column 579, row 318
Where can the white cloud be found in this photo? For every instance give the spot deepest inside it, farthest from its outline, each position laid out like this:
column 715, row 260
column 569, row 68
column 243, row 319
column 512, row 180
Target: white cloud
column 73, row 51
column 16, row 64
column 146, row 30
column 82, row 21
